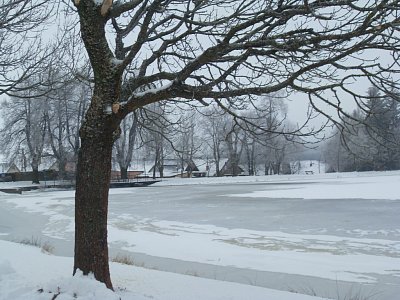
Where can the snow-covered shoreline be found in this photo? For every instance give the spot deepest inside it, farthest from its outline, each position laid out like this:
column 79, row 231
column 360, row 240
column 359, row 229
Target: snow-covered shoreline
column 26, row 273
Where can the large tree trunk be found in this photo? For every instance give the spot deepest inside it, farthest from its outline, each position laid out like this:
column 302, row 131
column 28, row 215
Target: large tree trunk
column 97, row 133
column 91, row 205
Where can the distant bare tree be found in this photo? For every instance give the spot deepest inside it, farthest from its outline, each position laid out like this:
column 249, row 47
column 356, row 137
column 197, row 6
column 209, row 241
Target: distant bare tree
column 213, row 122
column 25, row 128
column 234, row 146
column 125, row 145
column 67, row 103
column 262, row 139
column 185, row 140
column 157, row 128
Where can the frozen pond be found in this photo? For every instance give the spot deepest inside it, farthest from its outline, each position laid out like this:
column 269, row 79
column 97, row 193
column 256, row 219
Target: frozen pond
column 310, row 234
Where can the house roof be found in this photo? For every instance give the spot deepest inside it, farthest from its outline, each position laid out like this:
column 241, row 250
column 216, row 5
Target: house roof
column 208, row 165
column 13, row 169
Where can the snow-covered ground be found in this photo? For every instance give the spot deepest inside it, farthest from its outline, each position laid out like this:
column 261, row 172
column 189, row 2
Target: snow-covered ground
column 26, row 273
column 327, row 234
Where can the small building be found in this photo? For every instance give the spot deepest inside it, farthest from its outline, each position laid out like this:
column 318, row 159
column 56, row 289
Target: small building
column 231, row 169
column 200, row 168
column 170, row 168
column 13, row 169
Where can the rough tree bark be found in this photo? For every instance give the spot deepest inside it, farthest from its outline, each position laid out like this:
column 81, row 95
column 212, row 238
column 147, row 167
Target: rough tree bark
column 91, row 205
column 92, row 185
column 97, row 133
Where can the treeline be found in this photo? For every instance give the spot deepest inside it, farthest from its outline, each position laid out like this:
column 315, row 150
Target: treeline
column 368, row 139
column 41, row 124
column 210, row 133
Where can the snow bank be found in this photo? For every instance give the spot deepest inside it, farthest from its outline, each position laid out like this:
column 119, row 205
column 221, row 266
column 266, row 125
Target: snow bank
column 28, row 274
column 356, row 187
column 345, row 178
column 81, row 287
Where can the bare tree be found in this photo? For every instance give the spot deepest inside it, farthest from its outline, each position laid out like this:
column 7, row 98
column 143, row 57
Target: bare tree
column 234, row 146
column 262, row 140
column 77, row 111
column 185, row 141
column 156, row 134
column 213, row 122
column 24, row 129
column 220, row 51
column 125, row 145
column 67, row 104
column 21, row 51
column 23, row 57
column 45, row 125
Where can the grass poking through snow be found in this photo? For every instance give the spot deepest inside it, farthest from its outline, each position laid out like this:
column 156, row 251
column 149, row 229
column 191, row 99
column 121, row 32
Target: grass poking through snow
column 37, row 242
column 123, row 259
